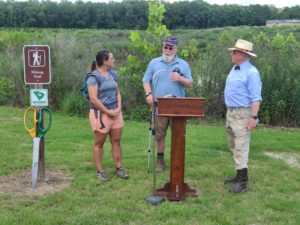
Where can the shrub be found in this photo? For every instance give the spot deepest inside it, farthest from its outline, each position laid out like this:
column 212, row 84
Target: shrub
column 75, row 105
column 6, row 91
column 138, row 113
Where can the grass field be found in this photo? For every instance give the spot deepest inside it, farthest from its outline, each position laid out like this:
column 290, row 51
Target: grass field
column 274, row 186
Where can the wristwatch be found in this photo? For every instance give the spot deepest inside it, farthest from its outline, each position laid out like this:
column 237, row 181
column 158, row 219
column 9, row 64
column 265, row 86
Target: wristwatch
column 254, row 117
column 148, row 93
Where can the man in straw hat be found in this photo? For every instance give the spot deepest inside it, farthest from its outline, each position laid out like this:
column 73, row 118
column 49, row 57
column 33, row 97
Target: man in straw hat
column 242, row 98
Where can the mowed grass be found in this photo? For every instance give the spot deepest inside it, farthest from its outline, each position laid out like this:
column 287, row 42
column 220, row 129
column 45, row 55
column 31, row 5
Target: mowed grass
column 274, row 187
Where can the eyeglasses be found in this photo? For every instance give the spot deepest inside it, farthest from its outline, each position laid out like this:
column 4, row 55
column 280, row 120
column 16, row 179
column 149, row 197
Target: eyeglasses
column 235, row 52
column 168, row 47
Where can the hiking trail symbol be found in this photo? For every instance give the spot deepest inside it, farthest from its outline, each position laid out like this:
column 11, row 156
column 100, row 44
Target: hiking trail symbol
column 36, row 58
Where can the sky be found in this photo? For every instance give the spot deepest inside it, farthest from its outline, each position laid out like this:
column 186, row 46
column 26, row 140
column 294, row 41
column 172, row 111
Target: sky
column 276, row 3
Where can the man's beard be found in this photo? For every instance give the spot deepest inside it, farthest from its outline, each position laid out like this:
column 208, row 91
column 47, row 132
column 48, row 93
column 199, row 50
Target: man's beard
column 168, row 58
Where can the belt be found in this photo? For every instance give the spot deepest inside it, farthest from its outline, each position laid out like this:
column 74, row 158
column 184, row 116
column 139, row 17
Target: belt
column 236, row 108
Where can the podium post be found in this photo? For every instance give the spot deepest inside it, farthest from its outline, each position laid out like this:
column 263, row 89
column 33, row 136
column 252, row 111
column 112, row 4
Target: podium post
column 179, row 109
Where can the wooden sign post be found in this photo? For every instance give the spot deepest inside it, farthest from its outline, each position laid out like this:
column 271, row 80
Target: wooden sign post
column 179, row 109
column 37, row 71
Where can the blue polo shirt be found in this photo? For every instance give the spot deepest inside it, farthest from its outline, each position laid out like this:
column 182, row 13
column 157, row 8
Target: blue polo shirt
column 243, row 86
column 158, row 75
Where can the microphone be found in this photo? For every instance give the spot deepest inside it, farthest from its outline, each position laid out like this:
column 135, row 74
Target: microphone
column 177, row 70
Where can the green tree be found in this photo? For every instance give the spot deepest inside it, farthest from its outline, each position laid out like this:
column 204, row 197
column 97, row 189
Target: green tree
column 143, row 50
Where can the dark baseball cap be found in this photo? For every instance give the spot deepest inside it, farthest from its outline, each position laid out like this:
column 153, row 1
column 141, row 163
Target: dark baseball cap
column 171, row 41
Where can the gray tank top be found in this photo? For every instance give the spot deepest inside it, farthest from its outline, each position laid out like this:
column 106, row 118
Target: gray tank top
column 107, row 91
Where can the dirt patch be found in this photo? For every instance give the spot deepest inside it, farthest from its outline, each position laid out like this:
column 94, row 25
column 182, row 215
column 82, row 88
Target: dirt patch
column 19, row 184
column 292, row 159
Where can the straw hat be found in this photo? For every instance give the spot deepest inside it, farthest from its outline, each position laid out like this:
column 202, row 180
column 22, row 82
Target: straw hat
column 243, row 46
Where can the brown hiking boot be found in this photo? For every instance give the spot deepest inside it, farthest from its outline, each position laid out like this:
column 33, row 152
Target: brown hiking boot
column 160, row 165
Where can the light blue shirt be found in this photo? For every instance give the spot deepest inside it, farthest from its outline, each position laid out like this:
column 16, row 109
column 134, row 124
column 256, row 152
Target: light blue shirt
column 243, row 86
column 158, row 75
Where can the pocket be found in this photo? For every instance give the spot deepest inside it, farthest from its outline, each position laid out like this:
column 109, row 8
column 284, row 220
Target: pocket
column 244, row 114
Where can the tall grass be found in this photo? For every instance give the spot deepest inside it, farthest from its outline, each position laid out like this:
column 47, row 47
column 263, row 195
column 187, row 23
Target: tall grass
column 72, row 52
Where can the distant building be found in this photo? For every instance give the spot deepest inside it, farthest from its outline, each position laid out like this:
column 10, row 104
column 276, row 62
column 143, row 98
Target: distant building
column 271, row 23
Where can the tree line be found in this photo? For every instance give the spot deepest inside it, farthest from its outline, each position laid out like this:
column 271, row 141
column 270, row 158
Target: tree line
column 130, row 14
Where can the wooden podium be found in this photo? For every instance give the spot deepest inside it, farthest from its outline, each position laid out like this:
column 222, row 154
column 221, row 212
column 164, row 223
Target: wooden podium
column 179, row 109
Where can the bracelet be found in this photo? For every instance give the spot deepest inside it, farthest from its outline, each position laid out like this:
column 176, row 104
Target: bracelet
column 148, row 93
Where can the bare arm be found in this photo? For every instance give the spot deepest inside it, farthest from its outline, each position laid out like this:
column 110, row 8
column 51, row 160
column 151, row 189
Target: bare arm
column 254, row 108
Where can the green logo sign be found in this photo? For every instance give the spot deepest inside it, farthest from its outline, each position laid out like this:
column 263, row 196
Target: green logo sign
column 38, row 97
column 39, row 94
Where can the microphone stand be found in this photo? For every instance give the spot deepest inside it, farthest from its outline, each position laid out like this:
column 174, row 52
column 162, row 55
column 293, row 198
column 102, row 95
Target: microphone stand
column 154, row 199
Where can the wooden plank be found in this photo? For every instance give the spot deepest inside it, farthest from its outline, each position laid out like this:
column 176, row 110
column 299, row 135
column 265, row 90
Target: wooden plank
column 180, row 107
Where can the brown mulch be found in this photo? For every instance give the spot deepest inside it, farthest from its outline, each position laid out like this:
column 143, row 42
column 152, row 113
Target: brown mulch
column 19, row 183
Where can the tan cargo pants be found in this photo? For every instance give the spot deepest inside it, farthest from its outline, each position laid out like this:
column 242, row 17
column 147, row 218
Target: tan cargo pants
column 238, row 135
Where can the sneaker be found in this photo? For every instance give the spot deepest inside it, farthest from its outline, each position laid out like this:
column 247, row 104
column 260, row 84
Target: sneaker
column 102, row 176
column 120, row 172
column 160, row 165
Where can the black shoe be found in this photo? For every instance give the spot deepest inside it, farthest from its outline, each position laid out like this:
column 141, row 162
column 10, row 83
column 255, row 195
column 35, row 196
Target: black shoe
column 230, row 180
column 239, row 188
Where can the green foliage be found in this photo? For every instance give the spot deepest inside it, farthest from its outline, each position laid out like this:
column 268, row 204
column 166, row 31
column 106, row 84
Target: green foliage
column 75, row 105
column 279, row 68
column 226, row 38
column 138, row 113
column 190, row 50
column 72, row 52
column 145, row 49
column 11, row 63
column 14, row 38
column 148, row 47
column 133, row 14
column 6, row 91
column 212, row 69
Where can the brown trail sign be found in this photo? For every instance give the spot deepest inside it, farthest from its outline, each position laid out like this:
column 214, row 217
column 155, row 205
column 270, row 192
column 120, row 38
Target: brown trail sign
column 37, row 64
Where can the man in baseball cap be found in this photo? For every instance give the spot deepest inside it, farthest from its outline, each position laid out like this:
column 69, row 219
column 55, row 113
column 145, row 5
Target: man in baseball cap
column 167, row 75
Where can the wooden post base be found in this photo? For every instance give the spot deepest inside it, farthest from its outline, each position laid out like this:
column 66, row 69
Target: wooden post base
column 177, row 194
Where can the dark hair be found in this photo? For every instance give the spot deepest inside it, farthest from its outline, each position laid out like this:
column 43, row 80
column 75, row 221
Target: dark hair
column 101, row 56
